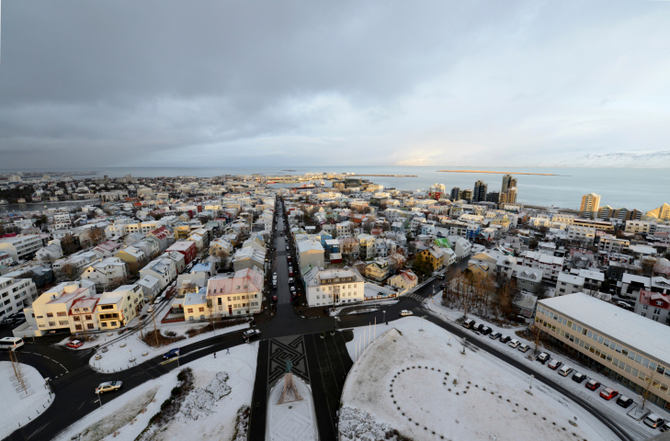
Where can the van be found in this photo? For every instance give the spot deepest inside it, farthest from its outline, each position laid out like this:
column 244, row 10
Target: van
column 652, row 420
column 468, row 323
column 150, row 308
column 11, row 343
column 565, row 371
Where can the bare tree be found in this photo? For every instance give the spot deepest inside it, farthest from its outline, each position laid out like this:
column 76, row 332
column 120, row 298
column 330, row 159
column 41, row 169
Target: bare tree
column 70, row 271
column 96, row 235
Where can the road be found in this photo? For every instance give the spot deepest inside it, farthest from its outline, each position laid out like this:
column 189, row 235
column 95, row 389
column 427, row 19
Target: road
column 74, row 381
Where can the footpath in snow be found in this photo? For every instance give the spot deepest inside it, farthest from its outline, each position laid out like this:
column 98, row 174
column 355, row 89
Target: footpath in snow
column 22, row 398
column 427, row 386
column 129, row 351
column 222, row 391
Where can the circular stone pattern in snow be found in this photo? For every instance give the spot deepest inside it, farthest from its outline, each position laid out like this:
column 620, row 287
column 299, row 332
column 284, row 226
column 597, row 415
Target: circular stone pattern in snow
column 428, row 390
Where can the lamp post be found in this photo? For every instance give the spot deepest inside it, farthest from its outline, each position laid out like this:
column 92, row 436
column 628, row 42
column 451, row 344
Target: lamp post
column 384, row 311
column 530, row 386
column 99, row 398
column 422, row 318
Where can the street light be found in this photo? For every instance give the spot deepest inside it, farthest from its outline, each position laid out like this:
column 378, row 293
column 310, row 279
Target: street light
column 99, row 398
column 384, row 311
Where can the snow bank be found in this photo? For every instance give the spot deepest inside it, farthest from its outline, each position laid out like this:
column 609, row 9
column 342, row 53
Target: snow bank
column 23, row 401
column 426, row 388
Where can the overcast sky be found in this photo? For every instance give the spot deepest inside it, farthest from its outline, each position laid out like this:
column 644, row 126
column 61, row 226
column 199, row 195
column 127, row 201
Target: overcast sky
column 225, row 83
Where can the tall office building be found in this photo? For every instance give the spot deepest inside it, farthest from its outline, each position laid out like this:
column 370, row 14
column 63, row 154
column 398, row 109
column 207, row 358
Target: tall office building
column 479, row 195
column 507, row 182
column 494, row 197
column 455, row 194
column 508, row 196
column 467, row 195
column 590, row 205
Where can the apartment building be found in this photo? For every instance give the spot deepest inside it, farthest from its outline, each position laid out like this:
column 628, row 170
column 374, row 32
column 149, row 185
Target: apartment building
column 163, row 269
column 581, row 234
column 640, row 227
column 106, row 272
column 51, row 310
column 628, row 348
column 609, row 244
column 551, row 265
column 333, row 287
column 310, row 254
column 117, row 308
column 653, row 305
column 22, row 247
column 15, row 295
column 239, row 294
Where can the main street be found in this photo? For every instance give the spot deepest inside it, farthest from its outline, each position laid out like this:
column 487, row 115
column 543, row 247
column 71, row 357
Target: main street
column 73, row 380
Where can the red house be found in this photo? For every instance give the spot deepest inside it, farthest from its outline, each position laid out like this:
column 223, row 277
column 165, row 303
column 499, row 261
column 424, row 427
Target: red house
column 185, row 247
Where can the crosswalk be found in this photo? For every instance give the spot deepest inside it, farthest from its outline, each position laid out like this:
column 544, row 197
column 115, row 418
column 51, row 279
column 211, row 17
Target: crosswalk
column 415, row 296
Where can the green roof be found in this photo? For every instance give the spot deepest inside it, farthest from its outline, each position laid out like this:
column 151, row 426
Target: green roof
column 443, row 242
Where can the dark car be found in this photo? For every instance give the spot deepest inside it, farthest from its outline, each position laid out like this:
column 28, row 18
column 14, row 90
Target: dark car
column 274, row 298
column 578, row 378
column 624, row 401
column 485, row 330
column 478, row 327
column 171, row 354
column 543, row 357
column 440, row 276
column 592, row 384
column 495, row 335
column 505, row 338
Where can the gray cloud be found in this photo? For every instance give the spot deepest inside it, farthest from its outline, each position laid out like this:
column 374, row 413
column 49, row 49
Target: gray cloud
column 272, row 83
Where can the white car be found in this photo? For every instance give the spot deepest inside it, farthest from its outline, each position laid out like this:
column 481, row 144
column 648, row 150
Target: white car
column 405, row 312
column 108, row 386
column 514, row 343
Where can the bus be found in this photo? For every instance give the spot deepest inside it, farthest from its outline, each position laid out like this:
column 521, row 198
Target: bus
column 10, row 343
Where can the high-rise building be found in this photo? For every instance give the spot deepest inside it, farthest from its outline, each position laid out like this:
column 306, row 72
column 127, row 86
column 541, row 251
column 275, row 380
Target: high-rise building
column 467, row 195
column 590, row 205
column 479, row 194
column 507, row 182
column 508, row 196
column 494, row 197
column 455, row 194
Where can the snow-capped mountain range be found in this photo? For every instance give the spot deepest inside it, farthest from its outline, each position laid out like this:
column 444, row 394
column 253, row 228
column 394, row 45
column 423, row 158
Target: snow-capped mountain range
column 655, row 159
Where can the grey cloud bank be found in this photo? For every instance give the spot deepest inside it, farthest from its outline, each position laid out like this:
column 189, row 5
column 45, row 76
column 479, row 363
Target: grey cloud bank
column 167, row 83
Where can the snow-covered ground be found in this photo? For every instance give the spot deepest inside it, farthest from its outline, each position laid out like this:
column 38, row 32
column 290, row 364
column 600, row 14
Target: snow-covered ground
column 425, row 387
column 20, row 402
column 223, row 385
column 620, row 414
column 291, row 421
column 118, row 356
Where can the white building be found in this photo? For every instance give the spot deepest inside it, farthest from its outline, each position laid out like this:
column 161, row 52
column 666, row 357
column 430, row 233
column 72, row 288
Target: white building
column 581, row 234
column 15, row 294
column 106, row 272
column 333, row 287
column 551, row 265
column 310, row 254
column 21, row 247
column 163, row 269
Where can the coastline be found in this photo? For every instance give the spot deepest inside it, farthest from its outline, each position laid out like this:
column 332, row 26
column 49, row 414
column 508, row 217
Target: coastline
column 499, row 172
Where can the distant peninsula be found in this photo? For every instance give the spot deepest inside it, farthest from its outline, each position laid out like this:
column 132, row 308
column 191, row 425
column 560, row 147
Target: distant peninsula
column 498, row 172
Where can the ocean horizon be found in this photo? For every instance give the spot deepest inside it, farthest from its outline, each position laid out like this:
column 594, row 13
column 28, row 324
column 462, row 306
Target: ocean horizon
column 633, row 188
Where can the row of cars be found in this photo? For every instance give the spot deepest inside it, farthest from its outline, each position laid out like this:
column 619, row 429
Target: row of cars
column 607, row 393
column 482, row 329
column 652, row 420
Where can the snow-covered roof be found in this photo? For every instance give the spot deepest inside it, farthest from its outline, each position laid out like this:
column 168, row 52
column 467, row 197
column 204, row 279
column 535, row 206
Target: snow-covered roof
column 636, row 332
column 571, row 279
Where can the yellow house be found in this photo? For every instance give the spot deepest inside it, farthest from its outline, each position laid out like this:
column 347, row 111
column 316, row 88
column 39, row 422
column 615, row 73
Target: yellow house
column 116, row 308
column 434, row 257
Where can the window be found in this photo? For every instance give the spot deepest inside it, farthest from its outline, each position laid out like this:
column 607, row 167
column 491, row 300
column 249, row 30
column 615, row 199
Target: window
column 89, row 325
column 190, row 310
column 50, row 314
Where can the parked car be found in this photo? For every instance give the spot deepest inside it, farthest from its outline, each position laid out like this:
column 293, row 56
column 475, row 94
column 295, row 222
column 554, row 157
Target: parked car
column 290, row 280
column 485, row 330
column 665, row 427
column 440, row 276
column 624, row 401
column 274, row 298
column 495, row 335
column 578, row 378
column 652, row 420
column 74, row 344
column 592, row 384
column 608, row 393
column 171, row 354
column 108, row 386
column 478, row 327
column 523, row 348
column 406, row 312
column 565, row 371
column 514, row 343
column 505, row 338
column 292, row 288
column 468, row 323
column 251, row 334
column 554, row 364
column 288, row 258
column 543, row 357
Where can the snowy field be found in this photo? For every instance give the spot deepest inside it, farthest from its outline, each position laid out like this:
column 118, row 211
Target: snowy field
column 639, row 429
column 130, row 351
column 426, row 388
column 291, row 421
column 20, row 402
column 223, row 385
